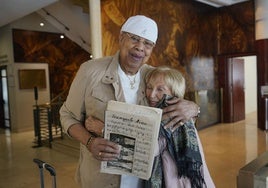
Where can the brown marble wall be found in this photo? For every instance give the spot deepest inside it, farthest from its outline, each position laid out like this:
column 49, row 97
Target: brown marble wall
column 237, row 29
column 184, row 35
column 191, row 35
column 62, row 55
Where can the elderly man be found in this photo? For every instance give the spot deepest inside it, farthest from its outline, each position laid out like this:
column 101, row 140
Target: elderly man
column 121, row 78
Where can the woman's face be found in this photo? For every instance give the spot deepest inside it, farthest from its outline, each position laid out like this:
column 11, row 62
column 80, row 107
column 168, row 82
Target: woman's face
column 155, row 90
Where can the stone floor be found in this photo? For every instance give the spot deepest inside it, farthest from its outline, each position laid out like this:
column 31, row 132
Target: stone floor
column 18, row 170
column 228, row 147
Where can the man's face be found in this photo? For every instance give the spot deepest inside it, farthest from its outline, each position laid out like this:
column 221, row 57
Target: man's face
column 134, row 52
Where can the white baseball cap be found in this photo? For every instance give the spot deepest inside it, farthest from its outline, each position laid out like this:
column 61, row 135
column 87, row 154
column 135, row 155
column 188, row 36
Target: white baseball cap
column 141, row 26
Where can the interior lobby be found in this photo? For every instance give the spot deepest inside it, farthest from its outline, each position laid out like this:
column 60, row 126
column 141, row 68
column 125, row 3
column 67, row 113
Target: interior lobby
column 196, row 38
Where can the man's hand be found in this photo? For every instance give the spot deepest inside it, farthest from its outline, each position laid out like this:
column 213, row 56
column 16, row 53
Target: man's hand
column 104, row 150
column 178, row 112
column 94, row 125
column 101, row 149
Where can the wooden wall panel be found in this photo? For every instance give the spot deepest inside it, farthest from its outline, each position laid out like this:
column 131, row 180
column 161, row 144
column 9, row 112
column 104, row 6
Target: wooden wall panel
column 262, row 77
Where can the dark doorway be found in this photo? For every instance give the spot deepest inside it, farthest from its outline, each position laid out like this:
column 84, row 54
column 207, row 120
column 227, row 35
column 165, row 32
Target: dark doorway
column 4, row 102
column 231, row 80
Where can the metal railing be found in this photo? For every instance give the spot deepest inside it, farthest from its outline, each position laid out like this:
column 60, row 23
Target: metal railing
column 47, row 123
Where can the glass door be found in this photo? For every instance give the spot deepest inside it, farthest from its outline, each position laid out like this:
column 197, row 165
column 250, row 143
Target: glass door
column 4, row 102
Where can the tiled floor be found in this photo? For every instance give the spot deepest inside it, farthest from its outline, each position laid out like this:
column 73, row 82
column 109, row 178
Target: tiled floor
column 17, row 169
column 228, row 147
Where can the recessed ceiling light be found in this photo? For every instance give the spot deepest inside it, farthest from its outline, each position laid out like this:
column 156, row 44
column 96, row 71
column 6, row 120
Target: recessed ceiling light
column 42, row 24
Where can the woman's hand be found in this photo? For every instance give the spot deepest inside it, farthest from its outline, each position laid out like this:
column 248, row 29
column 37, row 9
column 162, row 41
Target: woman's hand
column 178, row 112
column 94, row 125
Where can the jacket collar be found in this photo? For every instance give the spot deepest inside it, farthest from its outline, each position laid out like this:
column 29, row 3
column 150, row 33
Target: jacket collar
column 111, row 74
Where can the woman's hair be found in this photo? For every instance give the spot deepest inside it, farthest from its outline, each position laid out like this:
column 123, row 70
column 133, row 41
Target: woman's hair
column 172, row 77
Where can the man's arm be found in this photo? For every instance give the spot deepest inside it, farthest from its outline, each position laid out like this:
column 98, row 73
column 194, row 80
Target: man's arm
column 79, row 133
column 179, row 111
column 100, row 148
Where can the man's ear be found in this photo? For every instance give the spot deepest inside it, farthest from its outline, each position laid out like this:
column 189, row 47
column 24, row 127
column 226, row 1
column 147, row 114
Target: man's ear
column 121, row 37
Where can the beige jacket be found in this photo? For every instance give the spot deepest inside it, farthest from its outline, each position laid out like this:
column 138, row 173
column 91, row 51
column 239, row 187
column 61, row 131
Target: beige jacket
column 96, row 83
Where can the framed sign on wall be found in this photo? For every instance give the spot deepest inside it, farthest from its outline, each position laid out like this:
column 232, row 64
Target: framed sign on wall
column 30, row 78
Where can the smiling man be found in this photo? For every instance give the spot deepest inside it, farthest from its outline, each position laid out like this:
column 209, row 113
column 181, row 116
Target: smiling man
column 121, row 78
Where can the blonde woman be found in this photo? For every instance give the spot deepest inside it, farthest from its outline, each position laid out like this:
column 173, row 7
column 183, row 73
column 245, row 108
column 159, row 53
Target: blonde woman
column 179, row 162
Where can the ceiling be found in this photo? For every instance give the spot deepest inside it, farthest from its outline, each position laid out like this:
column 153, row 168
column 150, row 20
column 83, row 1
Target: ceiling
column 66, row 17
column 221, row 3
column 11, row 10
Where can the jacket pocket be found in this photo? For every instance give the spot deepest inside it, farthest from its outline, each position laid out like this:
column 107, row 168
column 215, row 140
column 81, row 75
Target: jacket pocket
column 96, row 102
column 103, row 94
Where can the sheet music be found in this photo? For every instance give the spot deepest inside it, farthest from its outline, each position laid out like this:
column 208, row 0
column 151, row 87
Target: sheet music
column 135, row 128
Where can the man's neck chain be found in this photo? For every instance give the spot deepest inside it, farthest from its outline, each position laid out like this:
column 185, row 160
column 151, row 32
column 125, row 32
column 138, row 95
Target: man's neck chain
column 132, row 81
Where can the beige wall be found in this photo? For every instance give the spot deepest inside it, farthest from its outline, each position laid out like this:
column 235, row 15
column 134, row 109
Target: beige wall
column 21, row 101
column 22, row 119
column 250, row 84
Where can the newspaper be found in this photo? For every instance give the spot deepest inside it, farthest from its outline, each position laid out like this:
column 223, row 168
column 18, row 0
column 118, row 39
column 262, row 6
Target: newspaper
column 135, row 128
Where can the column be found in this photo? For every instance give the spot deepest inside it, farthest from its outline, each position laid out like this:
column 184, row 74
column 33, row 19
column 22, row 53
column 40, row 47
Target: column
column 95, row 28
column 261, row 19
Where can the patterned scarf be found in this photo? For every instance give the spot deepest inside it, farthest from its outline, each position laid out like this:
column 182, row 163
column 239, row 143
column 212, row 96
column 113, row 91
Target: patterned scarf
column 182, row 145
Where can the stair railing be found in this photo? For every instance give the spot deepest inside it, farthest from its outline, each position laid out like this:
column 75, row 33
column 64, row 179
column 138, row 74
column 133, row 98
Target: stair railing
column 47, row 124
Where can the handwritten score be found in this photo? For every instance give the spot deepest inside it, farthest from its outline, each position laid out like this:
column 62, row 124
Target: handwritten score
column 135, row 128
